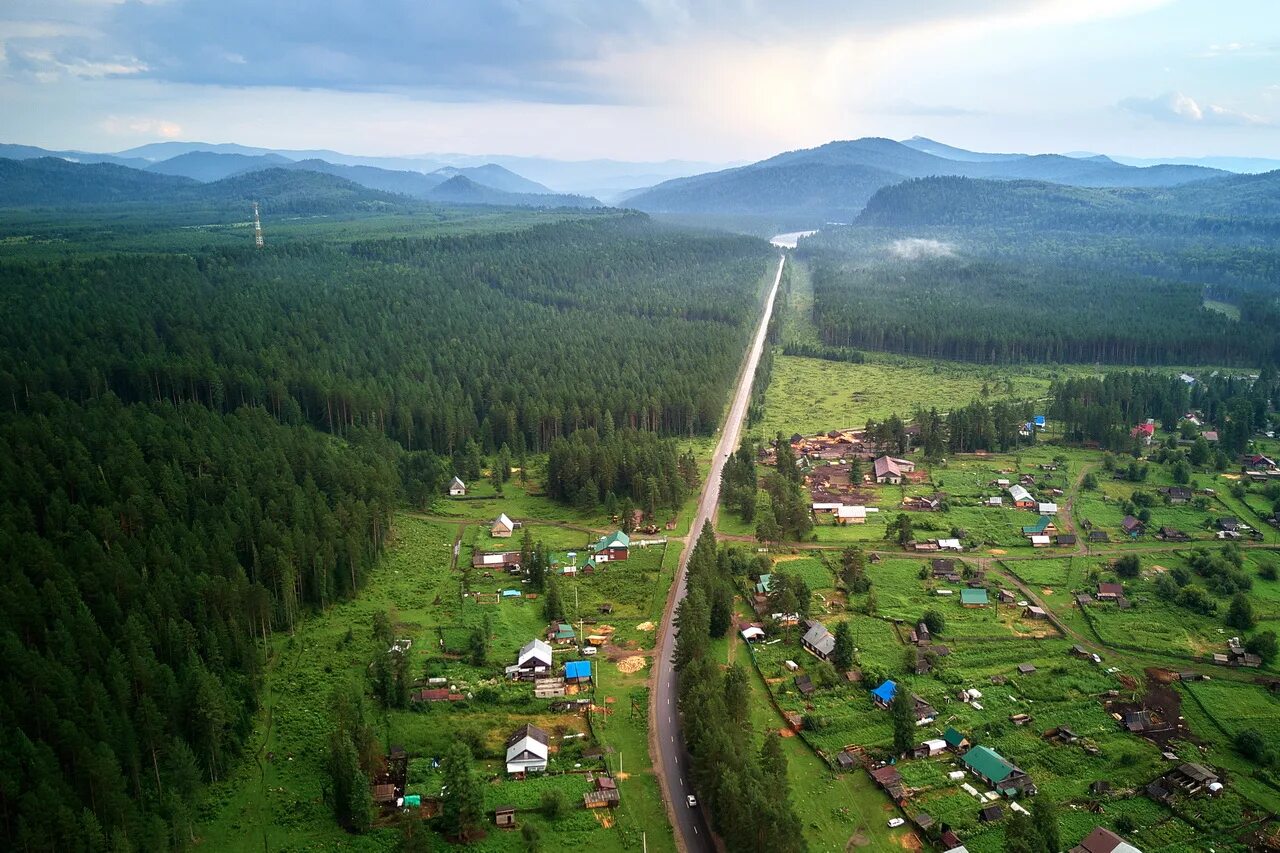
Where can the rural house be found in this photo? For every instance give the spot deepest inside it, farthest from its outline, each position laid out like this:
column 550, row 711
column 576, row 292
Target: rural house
column 1044, row 526
column 883, row 695
column 1047, row 508
column 527, row 750
column 973, row 597
column 1132, row 526
column 1109, row 592
column 955, row 740
column 503, row 527
column 577, row 672
column 1103, row 840
column 1021, row 497
column 819, row 641
column 1192, row 778
column 533, row 660
column 1176, row 494
column 887, row 469
column 945, row 570
column 457, row 488
column 988, row 765
column 856, row 514
column 611, row 549
column 561, row 633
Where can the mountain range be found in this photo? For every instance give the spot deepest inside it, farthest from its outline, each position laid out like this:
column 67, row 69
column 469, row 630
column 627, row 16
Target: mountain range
column 55, row 181
column 834, row 181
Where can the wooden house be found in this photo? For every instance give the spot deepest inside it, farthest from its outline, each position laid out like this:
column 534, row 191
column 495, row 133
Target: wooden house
column 503, row 527
column 457, row 488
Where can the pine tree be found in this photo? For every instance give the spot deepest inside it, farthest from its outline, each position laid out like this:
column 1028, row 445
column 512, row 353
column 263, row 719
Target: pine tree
column 903, row 711
column 842, row 654
column 462, row 808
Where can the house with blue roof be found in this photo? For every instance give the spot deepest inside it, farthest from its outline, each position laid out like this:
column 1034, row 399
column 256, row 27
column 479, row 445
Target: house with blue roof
column 883, row 695
column 577, row 671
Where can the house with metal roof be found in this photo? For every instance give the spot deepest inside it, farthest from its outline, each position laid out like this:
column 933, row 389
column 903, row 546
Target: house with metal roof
column 527, row 750
column 1021, row 497
column 503, row 527
column 611, row 548
column 888, row 469
column 457, row 488
column 533, row 660
column 973, row 597
column 1044, row 526
column 762, row 586
column 954, row 739
column 1103, row 840
column 819, row 641
column 988, row 765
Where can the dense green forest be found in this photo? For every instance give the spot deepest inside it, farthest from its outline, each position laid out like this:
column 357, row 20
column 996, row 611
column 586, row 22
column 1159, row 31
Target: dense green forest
column 147, row 549
column 512, row 338
column 1020, row 271
column 198, row 447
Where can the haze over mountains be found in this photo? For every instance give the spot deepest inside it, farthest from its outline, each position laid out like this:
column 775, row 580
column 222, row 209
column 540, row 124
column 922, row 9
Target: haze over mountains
column 833, row 182
column 803, row 188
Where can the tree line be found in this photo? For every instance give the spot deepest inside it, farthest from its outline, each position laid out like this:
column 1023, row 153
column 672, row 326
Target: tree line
column 743, row 784
column 147, row 552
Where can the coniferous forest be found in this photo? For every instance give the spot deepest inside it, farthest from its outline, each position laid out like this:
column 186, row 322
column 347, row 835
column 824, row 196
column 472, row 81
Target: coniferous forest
column 199, row 448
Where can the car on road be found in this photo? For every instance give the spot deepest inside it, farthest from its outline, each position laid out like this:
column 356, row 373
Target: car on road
column 691, row 800
column 896, row 822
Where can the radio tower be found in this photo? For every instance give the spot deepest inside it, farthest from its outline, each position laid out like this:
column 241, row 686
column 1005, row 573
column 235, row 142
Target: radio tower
column 257, row 227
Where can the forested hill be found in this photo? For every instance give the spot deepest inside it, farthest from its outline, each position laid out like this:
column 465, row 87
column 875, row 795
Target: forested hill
column 833, row 181
column 1247, row 203
column 50, row 182
column 197, row 448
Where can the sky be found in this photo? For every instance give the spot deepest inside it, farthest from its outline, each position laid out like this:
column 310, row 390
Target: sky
column 724, row 81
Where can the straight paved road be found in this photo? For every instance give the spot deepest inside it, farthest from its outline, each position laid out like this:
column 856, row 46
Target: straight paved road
column 671, row 761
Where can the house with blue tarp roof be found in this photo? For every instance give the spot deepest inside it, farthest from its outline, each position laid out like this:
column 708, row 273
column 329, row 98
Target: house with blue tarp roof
column 883, row 695
column 577, row 670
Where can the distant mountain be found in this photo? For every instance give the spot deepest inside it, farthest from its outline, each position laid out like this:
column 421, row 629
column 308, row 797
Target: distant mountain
column 460, row 189
column 31, row 152
column 950, row 152
column 830, row 192
column 1250, row 200
column 495, row 176
column 875, row 163
column 52, row 182
column 413, row 184
column 207, row 166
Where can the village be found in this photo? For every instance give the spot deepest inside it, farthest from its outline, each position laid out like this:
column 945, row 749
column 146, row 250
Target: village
column 1044, row 548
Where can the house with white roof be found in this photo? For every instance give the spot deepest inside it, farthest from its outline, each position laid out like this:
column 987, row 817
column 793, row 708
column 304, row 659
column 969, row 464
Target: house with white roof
column 534, row 660
column 503, row 528
column 457, row 488
column 527, row 750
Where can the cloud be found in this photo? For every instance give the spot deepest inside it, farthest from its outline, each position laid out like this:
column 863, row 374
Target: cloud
column 915, row 248
column 135, row 126
column 911, row 108
column 1177, row 108
column 476, row 50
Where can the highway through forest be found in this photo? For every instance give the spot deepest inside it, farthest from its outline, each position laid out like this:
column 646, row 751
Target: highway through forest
column 666, row 739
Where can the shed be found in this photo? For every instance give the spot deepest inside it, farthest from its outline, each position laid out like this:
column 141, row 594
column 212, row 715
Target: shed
column 577, row 670
column 954, row 739
column 503, row 527
column 457, row 488
column 990, row 813
column 1026, row 668
column 505, row 817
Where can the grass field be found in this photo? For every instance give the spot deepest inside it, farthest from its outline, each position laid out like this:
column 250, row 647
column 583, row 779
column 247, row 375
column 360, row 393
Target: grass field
column 278, row 804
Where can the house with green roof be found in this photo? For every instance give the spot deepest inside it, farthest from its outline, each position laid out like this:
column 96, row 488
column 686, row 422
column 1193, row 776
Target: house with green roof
column 954, row 739
column 561, row 633
column 1043, row 527
column 611, row 548
column 763, row 585
column 1000, row 773
column 973, row 597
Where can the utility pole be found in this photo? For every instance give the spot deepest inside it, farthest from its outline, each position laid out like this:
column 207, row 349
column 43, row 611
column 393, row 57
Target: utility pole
column 257, row 227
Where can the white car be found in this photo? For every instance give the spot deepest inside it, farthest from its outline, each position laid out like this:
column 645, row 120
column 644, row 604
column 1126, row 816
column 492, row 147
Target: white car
column 691, row 800
column 896, row 822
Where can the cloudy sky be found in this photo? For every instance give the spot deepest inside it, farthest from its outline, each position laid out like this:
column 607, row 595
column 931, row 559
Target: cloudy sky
column 643, row 79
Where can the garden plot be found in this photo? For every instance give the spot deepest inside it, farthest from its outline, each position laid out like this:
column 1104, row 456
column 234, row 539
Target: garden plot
column 902, row 594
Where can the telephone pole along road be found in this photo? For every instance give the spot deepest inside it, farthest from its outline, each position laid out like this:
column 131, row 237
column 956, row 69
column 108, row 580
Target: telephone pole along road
column 671, row 761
